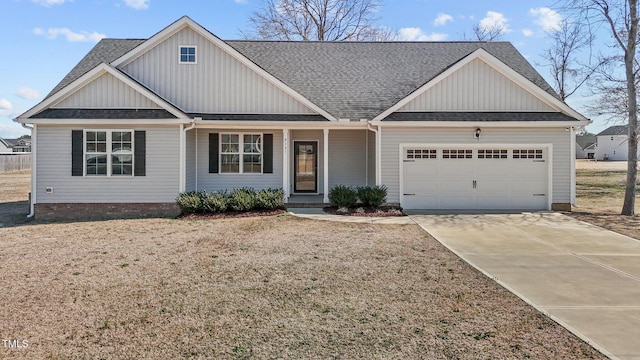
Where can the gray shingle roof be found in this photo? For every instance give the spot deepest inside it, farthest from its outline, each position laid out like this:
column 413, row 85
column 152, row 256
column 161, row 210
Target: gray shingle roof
column 615, row 130
column 106, row 50
column 104, row 114
column 350, row 80
column 362, row 79
column 584, row 141
column 478, row 116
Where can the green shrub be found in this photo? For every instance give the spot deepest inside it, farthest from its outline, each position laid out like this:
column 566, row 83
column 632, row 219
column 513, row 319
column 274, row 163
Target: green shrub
column 372, row 196
column 270, row 199
column 214, row 202
column 242, row 199
column 343, row 196
column 190, row 202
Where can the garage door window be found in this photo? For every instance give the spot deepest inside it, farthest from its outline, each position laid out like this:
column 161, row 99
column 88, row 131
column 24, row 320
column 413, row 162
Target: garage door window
column 527, row 154
column 421, row 153
column 492, row 154
column 457, row 154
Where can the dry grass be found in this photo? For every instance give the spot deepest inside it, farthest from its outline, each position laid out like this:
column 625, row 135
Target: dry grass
column 273, row 287
column 600, row 195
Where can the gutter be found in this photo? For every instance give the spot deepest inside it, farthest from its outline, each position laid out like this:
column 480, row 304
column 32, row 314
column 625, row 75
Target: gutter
column 183, row 153
column 32, row 202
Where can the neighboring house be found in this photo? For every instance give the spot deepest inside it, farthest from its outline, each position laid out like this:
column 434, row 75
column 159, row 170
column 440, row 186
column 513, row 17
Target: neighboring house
column 613, row 144
column 443, row 125
column 20, row 145
column 586, row 146
column 5, row 146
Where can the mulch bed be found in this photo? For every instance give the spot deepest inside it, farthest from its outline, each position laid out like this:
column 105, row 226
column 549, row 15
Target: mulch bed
column 382, row 211
column 232, row 214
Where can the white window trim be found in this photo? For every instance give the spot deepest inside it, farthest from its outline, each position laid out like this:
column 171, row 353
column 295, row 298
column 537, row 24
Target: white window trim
column 241, row 153
column 109, row 153
column 180, row 47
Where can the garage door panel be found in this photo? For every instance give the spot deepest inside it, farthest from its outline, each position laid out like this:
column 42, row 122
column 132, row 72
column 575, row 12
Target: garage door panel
column 515, row 178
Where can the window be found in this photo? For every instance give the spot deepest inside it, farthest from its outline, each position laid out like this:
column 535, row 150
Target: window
column 187, row 55
column 108, row 153
column 457, row 154
column 492, row 154
column 241, row 153
column 527, row 154
column 421, row 153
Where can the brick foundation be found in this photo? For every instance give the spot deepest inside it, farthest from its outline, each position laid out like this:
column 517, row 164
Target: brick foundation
column 102, row 211
column 561, row 207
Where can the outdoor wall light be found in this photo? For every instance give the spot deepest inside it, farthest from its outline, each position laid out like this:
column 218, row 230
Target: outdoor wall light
column 477, row 133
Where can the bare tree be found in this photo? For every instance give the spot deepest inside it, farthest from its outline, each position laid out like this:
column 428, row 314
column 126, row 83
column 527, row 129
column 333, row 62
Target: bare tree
column 321, row 20
column 487, row 33
column 620, row 17
column 561, row 57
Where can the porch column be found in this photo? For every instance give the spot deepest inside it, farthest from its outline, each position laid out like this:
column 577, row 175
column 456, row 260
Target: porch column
column 379, row 156
column 326, row 166
column 286, row 164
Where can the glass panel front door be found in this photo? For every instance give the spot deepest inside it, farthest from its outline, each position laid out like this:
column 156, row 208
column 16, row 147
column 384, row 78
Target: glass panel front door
column 305, row 167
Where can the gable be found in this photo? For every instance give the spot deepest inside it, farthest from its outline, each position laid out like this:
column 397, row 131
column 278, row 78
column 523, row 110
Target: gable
column 217, row 83
column 106, row 92
column 476, row 86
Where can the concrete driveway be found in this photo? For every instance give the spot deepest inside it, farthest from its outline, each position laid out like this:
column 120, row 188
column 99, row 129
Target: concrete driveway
column 584, row 277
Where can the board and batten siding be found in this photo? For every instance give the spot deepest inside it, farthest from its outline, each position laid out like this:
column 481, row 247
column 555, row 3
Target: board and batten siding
column 217, row 83
column 558, row 137
column 227, row 182
column 160, row 185
column 476, row 87
column 106, row 92
column 190, row 166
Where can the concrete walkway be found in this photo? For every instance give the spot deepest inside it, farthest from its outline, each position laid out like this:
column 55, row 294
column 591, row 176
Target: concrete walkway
column 584, row 277
column 319, row 214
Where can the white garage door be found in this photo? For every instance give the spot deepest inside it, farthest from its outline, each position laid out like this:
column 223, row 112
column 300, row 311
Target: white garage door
column 475, row 178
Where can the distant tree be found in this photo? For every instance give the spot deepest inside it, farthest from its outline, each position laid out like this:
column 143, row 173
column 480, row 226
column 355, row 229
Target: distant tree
column 26, row 137
column 319, row 20
column 620, row 17
column 566, row 43
column 487, row 32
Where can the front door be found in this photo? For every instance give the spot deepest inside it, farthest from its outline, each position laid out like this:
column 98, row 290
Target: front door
column 305, row 167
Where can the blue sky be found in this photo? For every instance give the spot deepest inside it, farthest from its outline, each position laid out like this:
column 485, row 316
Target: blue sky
column 44, row 39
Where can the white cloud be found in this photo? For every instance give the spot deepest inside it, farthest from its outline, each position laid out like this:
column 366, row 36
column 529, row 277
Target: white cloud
column 547, row 19
column 416, row 34
column 527, row 32
column 11, row 130
column 27, row 93
column 49, row 3
column 495, row 20
column 82, row 36
column 137, row 4
column 6, row 108
column 442, row 19
column 240, row 1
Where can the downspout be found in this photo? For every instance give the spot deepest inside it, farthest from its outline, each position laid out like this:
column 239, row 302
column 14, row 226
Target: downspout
column 32, row 202
column 378, row 152
column 573, row 167
column 183, row 154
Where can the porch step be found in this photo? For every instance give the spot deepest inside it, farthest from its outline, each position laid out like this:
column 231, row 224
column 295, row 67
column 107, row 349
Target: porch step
column 306, row 205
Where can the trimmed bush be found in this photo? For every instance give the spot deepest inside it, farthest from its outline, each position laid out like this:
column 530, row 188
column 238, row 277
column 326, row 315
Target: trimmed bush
column 372, row 196
column 190, row 202
column 270, row 199
column 214, row 202
column 343, row 196
column 242, row 199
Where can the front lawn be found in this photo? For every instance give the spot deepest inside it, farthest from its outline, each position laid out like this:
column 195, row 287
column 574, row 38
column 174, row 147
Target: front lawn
column 271, row 287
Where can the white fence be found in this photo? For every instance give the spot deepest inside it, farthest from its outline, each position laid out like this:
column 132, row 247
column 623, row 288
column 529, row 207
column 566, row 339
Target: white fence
column 15, row 162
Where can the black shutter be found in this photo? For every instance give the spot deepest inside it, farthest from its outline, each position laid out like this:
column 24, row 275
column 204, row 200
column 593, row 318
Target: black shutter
column 140, row 155
column 213, row 153
column 267, row 153
column 76, row 152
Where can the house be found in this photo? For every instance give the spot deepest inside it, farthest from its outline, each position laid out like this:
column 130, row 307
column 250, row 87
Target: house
column 5, row 146
column 443, row 125
column 612, row 143
column 586, row 146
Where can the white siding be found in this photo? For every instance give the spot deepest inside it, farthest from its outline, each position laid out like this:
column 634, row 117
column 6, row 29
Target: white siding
column 54, row 170
column 347, row 157
column 476, row 87
column 371, row 150
column 107, row 92
column 218, row 83
column 615, row 148
column 221, row 182
column 191, row 160
column 559, row 138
